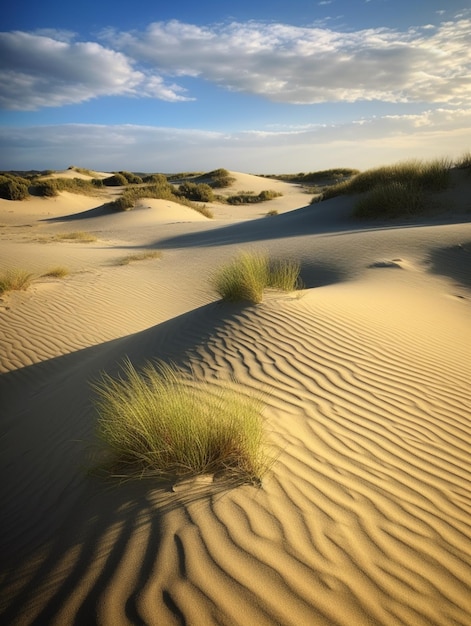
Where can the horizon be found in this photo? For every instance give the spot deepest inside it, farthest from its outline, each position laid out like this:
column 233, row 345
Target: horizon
column 268, row 89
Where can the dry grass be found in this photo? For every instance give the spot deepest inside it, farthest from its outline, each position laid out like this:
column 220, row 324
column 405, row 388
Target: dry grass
column 78, row 236
column 141, row 256
column 57, row 272
column 15, row 279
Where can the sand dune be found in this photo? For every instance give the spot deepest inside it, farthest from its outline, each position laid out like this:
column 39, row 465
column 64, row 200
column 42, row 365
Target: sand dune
column 364, row 517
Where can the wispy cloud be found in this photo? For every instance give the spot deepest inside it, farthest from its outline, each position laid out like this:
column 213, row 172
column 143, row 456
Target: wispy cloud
column 440, row 132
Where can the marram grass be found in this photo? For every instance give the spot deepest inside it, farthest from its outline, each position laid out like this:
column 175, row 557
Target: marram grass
column 162, row 422
column 247, row 276
column 15, row 280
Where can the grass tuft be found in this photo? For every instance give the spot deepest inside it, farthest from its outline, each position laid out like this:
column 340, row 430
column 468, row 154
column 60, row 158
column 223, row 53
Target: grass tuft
column 141, row 256
column 15, row 280
column 249, row 274
column 78, row 236
column 165, row 423
column 57, row 272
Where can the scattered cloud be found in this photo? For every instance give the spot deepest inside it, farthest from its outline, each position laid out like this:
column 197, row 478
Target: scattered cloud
column 433, row 133
column 283, row 63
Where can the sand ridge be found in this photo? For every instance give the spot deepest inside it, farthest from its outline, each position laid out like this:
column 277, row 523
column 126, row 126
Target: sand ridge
column 365, row 515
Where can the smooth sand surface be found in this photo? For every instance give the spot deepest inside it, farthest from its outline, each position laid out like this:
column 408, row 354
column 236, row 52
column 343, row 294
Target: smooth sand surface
column 364, row 518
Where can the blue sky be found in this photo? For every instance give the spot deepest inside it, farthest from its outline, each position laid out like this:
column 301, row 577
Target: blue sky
column 262, row 87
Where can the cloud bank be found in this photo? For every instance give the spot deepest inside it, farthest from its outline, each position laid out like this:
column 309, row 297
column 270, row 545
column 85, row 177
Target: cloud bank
column 361, row 144
column 279, row 62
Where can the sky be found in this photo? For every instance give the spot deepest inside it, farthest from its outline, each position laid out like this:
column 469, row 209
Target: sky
column 259, row 86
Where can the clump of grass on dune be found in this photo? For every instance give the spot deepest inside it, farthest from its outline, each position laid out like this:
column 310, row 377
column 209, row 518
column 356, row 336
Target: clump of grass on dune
column 165, row 423
column 140, row 256
column 15, row 279
column 57, row 272
column 78, row 236
column 247, row 276
column 391, row 200
column 394, row 190
column 433, row 175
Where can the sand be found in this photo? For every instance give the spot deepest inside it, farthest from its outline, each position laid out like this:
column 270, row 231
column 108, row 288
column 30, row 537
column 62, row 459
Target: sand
column 364, row 518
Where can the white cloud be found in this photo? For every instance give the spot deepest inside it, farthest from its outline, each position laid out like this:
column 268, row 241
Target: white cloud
column 310, row 65
column 360, row 143
column 284, row 63
column 38, row 71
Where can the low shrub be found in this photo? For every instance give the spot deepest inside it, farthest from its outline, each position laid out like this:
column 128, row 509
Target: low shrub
column 13, row 189
column 247, row 276
column 165, row 423
column 15, row 280
column 116, row 180
column 132, row 179
column 196, row 192
column 220, row 178
column 248, row 197
column 46, row 189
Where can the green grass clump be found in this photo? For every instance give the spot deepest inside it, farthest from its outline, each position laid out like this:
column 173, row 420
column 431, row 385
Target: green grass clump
column 388, row 200
column 249, row 274
column 248, row 197
column 78, row 235
column 162, row 422
column 15, row 280
column 431, row 176
column 141, row 256
column 57, row 272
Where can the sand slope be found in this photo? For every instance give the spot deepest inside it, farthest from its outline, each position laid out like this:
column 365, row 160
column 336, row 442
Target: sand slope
column 364, row 517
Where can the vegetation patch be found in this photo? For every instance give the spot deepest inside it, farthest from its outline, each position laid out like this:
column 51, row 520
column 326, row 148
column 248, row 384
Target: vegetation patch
column 15, row 280
column 247, row 276
column 13, row 187
column 248, row 197
column 141, row 256
column 388, row 200
column 163, row 422
column 431, row 176
column 57, row 272
column 161, row 190
column 78, row 236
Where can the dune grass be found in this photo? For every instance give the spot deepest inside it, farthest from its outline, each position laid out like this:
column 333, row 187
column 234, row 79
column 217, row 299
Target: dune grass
column 247, row 276
column 426, row 175
column 15, row 279
column 388, row 200
column 77, row 236
column 57, row 272
column 163, row 422
column 140, row 256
